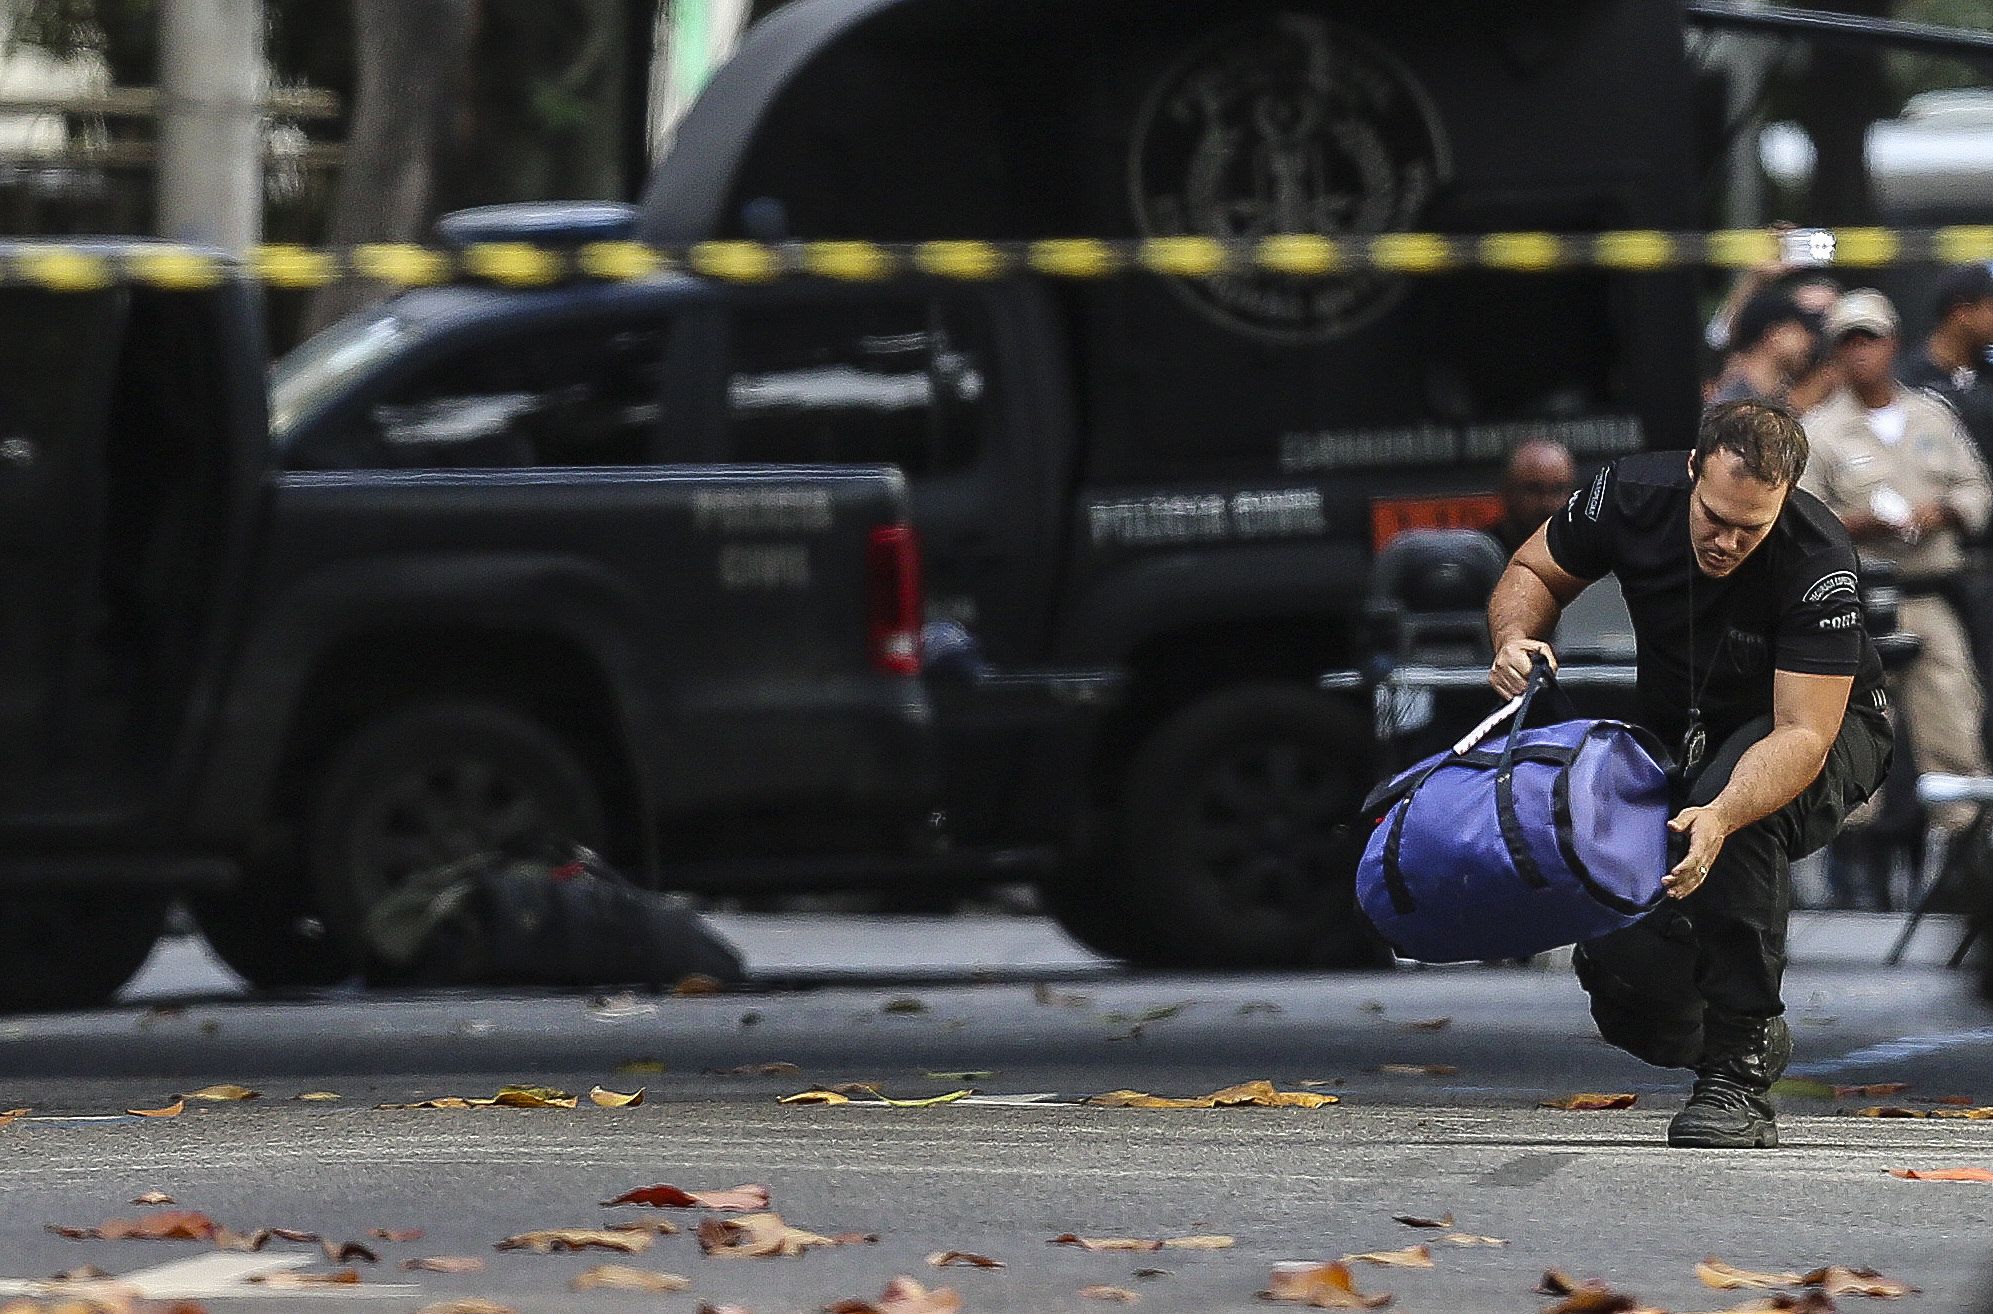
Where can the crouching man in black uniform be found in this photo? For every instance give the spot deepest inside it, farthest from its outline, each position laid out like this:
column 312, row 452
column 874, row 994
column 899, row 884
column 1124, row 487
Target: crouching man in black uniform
column 1754, row 662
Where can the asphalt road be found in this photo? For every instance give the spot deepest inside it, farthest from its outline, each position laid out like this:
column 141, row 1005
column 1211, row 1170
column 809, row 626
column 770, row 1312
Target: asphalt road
column 1596, row 1194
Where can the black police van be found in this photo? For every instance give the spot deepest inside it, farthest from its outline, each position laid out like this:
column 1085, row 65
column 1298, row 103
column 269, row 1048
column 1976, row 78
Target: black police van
column 282, row 690
column 1184, row 482
column 1148, row 506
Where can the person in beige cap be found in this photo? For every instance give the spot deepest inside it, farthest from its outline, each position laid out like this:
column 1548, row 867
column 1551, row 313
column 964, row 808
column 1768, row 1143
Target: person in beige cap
column 1897, row 467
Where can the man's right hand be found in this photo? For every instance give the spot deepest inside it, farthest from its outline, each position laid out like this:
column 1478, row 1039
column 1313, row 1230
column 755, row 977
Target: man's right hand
column 1510, row 673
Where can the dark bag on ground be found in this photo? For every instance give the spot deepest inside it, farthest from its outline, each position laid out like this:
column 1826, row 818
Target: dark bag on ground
column 566, row 920
column 1507, row 846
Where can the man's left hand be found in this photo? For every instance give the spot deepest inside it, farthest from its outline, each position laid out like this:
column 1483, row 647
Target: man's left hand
column 1930, row 518
column 1706, row 829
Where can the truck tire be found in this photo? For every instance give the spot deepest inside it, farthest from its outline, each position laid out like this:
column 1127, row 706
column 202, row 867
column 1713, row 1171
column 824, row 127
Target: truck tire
column 434, row 783
column 1239, row 838
column 74, row 950
column 270, row 934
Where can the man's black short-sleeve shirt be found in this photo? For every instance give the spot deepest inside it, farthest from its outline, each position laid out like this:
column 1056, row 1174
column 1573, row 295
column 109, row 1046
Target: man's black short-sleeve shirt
column 1792, row 605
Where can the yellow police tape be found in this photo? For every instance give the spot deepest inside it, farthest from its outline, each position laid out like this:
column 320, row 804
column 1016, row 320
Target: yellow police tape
column 58, row 266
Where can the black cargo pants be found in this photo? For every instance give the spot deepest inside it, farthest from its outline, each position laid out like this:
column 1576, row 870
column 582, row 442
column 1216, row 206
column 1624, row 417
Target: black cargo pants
column 1722, row 949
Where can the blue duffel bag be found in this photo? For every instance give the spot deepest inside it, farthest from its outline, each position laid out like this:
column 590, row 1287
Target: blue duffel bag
column 1503, row 847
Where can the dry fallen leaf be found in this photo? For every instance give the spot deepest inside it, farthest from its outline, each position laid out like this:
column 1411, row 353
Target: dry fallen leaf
column 815, row 1097
column 1199, row 1243
column 529, row 1097
column 1464, row 1239
column 1943, row 1174
column 711, row 1309
column 655, row 1226
column 1430, row 1024
column 86, row 1273
column 246, row 1242
column 12, row 1115
column 1261, row 1094
column 1715, row 1273
column 962, row 1259
column 1971, row 1115
column 611, row 1099
column 1409, row 1257
column 617, row 1277
column 902, row 1295
column 468, row 1306
column 1588, row 1297
column 1890, row 1111
column 443, row 1102
column 1044, row 994
column 903, row 1004
column 317, row 1096
column 549, row 1240
column 1105, row 1242
column 738, row 1199
column 344, row 1277
column 1146, row 1273
column 223, row 1094
column 1838, row 1281
column 154, row 1198
column 171, row 1225
column 698, row 984
column 756, row 1236
column 1260, row 1006
column 1880, row 1090
column 1417, row 1220
column 444, row 1264
column 396, row 1235
column 1119, row 1295
column 1324, row 1286
column 341, row 1252
column 1418, row 1069
column 1589, row 1101
column 294, row 1234
column 639, row 1067
column 173, row 1110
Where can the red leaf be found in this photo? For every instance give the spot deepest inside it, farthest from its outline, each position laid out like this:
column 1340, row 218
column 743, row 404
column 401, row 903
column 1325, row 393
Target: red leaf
column 1943, row 1174
column 741, row 1199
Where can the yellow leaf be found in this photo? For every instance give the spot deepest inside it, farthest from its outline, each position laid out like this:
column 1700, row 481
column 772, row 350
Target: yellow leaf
column 815, row 1097
column 1409, row 1257
column 1587, row 1102
column 1713, row 1272
column 223, row 1094
column 1200, row 1243
column 618, row 1277
column 173, row 1110
column 530, row 1097
column 1324, row 1286
column 317, row 1097
column 928, row 1103
column 12, row 1115
column 610, row 1099
column 1261, row 1094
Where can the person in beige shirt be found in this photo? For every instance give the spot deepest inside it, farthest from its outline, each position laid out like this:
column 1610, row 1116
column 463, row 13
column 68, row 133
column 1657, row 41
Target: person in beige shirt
column 1897, row 467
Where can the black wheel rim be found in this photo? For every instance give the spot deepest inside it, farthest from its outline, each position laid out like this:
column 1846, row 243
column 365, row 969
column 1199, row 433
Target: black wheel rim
column 452, row 810
column 1268, row 829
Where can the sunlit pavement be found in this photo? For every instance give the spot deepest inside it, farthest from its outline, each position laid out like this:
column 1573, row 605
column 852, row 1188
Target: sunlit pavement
column 1596, row 1194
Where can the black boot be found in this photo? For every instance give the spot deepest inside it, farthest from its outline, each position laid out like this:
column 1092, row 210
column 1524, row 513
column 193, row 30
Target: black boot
column 1731, row 1108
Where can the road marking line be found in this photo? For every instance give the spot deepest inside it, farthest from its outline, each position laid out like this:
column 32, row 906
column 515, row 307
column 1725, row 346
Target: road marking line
column 206, row 1277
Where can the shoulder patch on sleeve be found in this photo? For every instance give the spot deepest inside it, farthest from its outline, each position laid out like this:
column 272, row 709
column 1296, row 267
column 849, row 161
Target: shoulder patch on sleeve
column 1595, row 500
column 1833, row 584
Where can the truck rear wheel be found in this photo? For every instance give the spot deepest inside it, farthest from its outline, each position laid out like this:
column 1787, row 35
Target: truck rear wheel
column 433, row 784
column 74, row 950
column 1239, row 836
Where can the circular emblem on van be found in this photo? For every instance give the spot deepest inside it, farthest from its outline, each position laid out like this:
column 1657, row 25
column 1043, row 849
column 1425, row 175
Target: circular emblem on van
column 1290, row 124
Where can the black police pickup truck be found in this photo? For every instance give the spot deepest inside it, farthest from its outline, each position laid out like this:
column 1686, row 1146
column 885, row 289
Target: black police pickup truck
column 280, row 689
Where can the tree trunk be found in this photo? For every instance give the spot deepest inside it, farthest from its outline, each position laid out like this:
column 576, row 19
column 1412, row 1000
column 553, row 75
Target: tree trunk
column 412, row 58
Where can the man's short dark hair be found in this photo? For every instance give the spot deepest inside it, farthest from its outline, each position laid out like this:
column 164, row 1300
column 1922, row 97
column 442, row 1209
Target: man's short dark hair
column 1765, row 436
column 1760, row 315
column 1961, row 286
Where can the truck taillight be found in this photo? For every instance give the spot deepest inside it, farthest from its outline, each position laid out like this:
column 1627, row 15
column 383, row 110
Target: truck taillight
column 892, row 568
